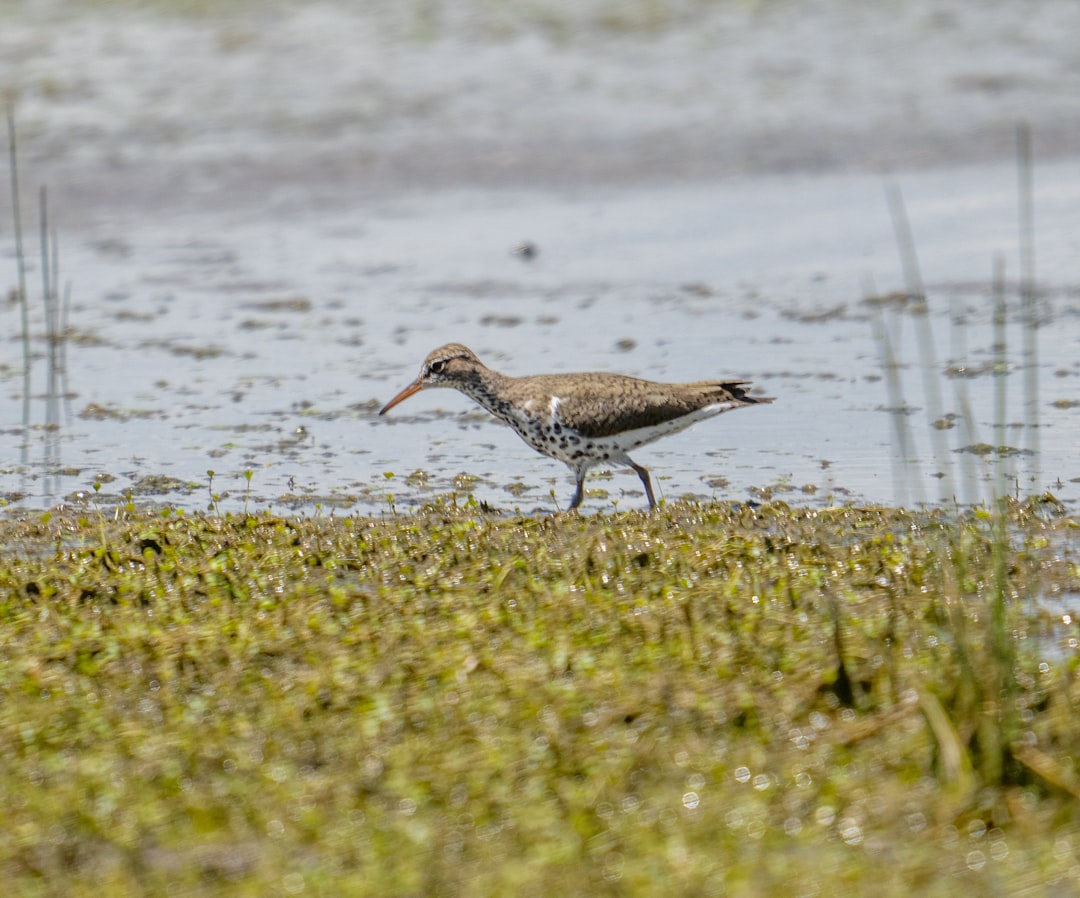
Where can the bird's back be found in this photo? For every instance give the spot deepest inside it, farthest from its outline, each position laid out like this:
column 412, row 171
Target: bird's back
column 599, row 404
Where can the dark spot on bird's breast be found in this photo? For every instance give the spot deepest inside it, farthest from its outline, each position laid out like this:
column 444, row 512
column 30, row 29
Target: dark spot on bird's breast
column 557, row 427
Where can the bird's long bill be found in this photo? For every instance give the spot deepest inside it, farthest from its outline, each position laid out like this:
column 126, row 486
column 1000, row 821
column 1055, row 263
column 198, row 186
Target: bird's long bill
column 414, row 387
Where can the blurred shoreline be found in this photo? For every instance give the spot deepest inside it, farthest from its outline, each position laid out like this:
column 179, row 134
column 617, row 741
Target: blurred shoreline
column 302, row 106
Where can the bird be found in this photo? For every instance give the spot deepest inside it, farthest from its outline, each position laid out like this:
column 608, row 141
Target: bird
column 585, row 419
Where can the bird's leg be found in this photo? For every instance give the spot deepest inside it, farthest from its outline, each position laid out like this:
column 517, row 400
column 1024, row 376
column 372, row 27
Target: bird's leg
column 643, row 473
column 579, row 493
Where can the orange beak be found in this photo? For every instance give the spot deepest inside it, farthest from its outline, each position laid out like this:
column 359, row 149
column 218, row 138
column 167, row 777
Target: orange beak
column 414, row 387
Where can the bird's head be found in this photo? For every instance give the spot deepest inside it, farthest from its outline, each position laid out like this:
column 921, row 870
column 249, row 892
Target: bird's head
column 452, row 365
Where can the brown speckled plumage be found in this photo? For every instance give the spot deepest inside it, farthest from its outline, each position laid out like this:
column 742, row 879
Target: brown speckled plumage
column 581, row 419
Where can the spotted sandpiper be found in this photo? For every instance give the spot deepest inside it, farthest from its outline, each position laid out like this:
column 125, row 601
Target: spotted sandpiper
column 581, row 419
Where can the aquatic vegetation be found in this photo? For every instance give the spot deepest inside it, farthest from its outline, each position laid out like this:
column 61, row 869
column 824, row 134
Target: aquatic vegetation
column 714, row 699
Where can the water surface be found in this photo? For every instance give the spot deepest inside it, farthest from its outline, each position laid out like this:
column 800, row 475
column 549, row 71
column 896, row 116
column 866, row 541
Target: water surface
column 257, row 264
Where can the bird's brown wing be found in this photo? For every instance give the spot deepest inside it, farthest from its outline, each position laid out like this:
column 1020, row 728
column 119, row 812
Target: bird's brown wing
column 602, row 405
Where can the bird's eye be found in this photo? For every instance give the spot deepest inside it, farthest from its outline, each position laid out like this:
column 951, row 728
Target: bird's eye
column 438, row 366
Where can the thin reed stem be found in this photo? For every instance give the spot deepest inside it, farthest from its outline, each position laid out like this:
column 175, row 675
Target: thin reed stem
column 20, row 265
column 958, row 367
column 65, row 314
column 46, row 268
column 1000, row 372
column 20, row 258
column 1027, row 291
column 904, row 454
column 923, row 333
column 1000, row 635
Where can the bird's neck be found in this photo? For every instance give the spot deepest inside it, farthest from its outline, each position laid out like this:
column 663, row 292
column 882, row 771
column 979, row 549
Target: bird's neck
column 488, row 388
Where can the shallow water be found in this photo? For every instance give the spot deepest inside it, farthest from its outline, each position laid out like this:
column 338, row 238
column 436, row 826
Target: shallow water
column 209, row 333
column 270, row 348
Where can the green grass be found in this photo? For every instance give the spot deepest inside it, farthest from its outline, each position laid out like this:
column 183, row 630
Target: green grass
column 709, row 700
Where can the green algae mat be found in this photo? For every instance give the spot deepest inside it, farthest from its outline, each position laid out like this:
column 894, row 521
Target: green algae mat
column 707, row 700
